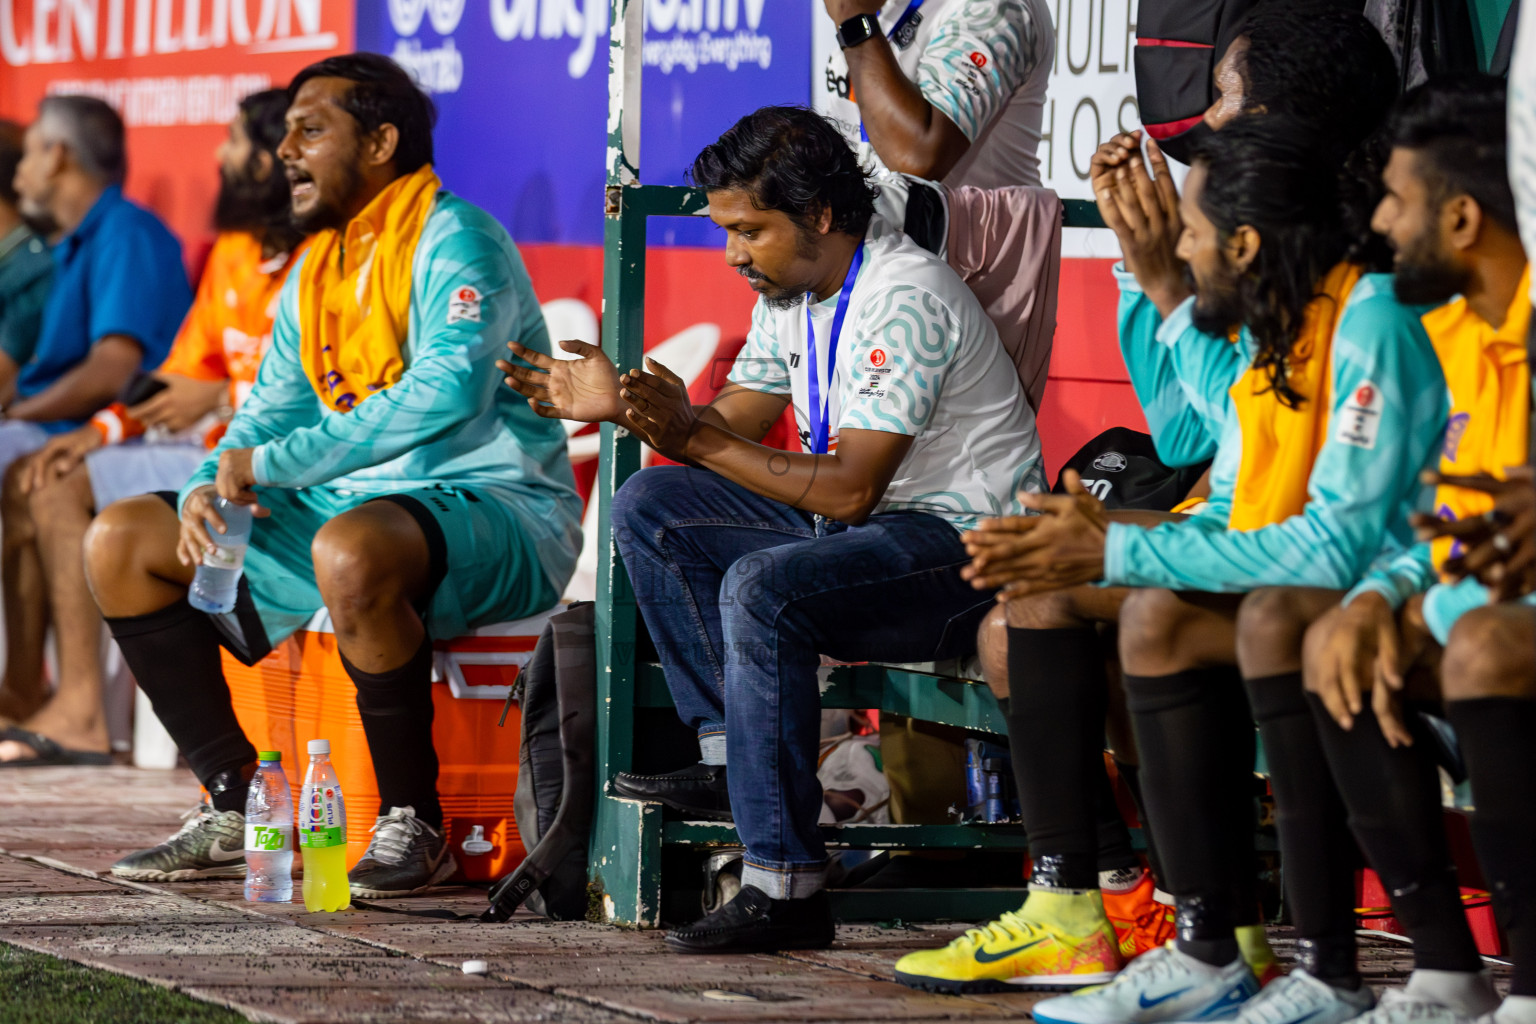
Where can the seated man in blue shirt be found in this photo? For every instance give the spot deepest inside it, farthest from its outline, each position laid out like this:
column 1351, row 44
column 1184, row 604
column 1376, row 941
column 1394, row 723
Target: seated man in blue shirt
column 26, row 269
column 119, row 294
column 120, row 290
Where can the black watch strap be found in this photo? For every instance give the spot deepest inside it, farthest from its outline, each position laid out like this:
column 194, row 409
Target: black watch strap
column 857, row 29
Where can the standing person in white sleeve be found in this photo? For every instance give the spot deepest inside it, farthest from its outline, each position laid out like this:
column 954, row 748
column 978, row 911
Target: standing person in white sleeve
column 944, row 100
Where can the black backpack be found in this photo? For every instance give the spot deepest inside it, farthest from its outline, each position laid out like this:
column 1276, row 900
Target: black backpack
column 557, row 691
column 1121, row 468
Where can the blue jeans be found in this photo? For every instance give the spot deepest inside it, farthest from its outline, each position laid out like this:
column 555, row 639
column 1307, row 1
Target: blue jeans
column 742, row 595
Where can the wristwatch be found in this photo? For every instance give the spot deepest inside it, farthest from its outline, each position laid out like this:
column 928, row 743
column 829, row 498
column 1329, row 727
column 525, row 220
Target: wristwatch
column 857, row 29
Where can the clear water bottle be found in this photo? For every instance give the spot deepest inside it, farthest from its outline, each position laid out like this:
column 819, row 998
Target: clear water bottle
column 269, row 833
column 214, row 586
column 323, row 833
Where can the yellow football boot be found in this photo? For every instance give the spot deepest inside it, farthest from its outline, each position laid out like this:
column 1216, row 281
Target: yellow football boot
column 1057, row 940
column 1253, row 941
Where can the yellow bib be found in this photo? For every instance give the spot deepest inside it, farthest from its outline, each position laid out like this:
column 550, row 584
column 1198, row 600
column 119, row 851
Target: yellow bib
column 1489, row 377
column 1280, row 443
column 355, row 293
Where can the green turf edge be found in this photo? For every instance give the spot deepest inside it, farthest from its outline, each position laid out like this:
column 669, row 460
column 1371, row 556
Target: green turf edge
column 39, row 989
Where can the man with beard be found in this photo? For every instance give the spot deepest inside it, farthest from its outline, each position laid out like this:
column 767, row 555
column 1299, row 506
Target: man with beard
column 917, row 427
column 26, row 270
column 1322, row 71
column 119, row 290
column 1324, row 410
column 1450, row 216
column 393, row 481
column 47, row 507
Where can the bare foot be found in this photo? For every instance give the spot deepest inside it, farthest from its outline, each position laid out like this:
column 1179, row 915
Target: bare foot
column 72, row 732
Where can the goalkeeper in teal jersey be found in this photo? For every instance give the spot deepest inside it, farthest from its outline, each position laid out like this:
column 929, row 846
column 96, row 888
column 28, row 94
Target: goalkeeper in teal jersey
column 393, row 481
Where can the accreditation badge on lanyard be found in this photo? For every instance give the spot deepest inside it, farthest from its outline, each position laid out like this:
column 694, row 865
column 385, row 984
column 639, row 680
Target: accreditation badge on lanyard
column 901, row 34
column 820, row 412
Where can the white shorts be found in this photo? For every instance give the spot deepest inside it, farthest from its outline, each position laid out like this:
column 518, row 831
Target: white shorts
column 18, row 438
column 126, row 470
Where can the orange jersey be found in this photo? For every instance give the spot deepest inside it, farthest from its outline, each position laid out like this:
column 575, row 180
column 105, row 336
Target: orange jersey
column 227, row 330
column 1490, row 384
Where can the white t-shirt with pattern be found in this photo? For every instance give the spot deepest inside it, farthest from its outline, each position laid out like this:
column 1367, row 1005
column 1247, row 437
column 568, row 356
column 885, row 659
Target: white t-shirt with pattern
column 985, row 64
column 917, row 356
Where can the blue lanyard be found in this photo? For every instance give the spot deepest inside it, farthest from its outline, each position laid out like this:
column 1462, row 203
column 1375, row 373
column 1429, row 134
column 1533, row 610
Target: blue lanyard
column 819, row 412
column 895, row 31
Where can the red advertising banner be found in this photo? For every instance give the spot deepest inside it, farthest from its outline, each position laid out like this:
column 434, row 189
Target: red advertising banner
column 175, row 70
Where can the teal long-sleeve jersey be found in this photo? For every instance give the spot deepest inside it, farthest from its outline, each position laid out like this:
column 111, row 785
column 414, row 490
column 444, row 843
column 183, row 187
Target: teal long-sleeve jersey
column 449, row 419
column 1363, row 484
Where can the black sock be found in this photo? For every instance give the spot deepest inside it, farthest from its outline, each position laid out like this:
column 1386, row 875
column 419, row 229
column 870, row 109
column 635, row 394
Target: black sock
column 1187, row 774
column 174, row 656
column 396, row 709
column 1494, row 732
column 1393, row 797
column 1057, row 703
column 1237, row 747
column 1131, row 775
column 1115, row 850
column 1315, row 842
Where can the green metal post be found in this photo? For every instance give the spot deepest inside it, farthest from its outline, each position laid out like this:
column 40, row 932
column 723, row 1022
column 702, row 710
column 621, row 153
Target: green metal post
column 625, row 853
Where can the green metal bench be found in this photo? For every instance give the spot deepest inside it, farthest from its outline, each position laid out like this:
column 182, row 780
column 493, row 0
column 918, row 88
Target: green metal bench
column 630, row 838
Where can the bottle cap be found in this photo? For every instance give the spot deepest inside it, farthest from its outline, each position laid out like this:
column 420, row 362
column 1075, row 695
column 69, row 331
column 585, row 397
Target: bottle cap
column 269, row 755
column 319, row 747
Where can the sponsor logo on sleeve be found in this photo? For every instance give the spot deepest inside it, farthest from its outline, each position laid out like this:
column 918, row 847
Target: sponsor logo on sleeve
column 979, row 59
column 1360, row 419
column 875, row 374
column 464, row 305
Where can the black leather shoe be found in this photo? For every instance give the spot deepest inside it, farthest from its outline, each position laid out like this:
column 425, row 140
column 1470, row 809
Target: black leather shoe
column 753, row 923
column 699, row 790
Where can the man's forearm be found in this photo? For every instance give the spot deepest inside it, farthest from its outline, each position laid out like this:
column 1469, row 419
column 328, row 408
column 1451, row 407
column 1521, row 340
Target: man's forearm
column 821, row 484
column 907, row 132
column 79, row 393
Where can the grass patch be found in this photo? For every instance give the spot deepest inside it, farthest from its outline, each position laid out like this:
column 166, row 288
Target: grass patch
column 39, row 989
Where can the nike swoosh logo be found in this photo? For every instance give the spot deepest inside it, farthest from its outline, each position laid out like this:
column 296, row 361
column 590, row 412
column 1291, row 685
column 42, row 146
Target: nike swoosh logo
column 984, row 957
column 1146, row 1003
column 217, row 853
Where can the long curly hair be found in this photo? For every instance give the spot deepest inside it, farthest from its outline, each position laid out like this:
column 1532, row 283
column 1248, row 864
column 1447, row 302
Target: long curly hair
column 1267, row 173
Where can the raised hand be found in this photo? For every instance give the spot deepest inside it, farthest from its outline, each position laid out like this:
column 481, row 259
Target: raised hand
column 585, row 389
column 1143, row 211
column 659, row 409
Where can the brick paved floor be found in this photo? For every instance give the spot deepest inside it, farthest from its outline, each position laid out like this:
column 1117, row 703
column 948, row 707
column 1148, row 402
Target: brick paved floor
column 61, row 828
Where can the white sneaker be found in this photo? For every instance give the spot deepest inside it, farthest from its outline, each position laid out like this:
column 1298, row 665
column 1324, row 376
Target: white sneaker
column 1397, row 1006
column 1161, row 985
column 1300, row 997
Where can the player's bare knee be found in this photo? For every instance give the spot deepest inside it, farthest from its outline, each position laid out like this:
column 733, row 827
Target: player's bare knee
column 353, row 570
column 1151, row 621
column 116, row 541
column 1491, row 652
column 1270, row 628
column 1053, row 609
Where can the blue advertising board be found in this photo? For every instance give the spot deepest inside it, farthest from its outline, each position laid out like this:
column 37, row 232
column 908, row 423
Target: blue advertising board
column 521, row 89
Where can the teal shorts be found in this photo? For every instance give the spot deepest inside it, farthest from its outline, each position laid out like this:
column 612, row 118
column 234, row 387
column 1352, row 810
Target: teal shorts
column 485, row 568
column 1445, row 603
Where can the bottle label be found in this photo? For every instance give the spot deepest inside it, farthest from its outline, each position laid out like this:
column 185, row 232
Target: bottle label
column 318, row 838
column 222, row 557
column 322, row 822
column 265, row 838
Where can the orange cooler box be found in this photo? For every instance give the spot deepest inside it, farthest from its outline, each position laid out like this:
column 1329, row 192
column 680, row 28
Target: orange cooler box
column 300, row 692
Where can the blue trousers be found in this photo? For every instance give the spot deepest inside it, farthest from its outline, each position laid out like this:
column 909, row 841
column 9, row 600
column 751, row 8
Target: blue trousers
column 742, row 595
